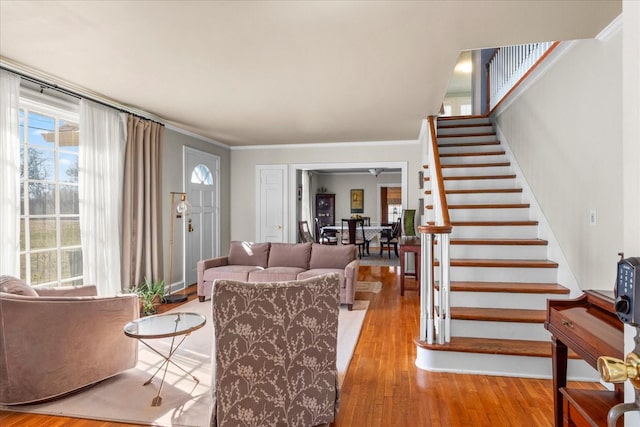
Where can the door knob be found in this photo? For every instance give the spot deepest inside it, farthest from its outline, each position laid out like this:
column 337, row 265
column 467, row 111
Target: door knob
column 614, row 370
column 190, row 227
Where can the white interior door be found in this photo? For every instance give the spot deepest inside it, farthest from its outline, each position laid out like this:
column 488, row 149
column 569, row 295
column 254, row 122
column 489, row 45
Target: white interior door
column 202, row 238
column 271, row 212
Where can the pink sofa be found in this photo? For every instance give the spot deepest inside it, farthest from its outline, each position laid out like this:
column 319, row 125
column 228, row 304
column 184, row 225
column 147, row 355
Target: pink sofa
column 277, row 262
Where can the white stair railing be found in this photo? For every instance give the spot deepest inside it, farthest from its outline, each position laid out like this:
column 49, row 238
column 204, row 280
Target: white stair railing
column 510, row 65
column 435, row 321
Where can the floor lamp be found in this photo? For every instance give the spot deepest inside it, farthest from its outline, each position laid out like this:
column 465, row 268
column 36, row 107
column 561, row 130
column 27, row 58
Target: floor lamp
column 179, row 208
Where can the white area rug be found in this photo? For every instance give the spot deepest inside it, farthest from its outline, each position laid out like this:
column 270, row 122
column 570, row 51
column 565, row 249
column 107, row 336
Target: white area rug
column 362, row 286
column 123, row 398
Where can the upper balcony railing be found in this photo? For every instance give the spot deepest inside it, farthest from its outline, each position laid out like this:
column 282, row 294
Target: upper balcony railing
column 510, row 65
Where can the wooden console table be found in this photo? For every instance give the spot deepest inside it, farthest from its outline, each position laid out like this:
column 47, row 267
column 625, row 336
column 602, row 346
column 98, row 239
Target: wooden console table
column 409, row 244
column 589, row 326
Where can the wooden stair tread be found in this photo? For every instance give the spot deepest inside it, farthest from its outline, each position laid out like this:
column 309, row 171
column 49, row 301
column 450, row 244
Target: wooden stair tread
column 508, row 287
column 476, row 177
column 467, row 125
column 488, row 206
column 474, row 154
column 502, row 263
column 458, row 135
column 495, row 346
column 475, row 165
column 481, row 191
column 501, row 242
column 490, row 223
column 468, row 144
column 461, row 117
column 470, row 177
column 499, row 314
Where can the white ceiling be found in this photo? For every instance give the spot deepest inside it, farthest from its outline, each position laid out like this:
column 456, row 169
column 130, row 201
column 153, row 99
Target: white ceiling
column 278, row 72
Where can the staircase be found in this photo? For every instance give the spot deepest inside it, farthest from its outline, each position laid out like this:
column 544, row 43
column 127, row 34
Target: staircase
column 500, row 274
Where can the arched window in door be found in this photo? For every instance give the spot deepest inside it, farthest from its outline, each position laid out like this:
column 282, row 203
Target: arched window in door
column 201, row 175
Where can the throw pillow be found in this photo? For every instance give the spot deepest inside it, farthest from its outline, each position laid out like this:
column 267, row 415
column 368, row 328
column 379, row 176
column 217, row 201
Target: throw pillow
column 290, row 255
column 248, row 253
column 13, row 285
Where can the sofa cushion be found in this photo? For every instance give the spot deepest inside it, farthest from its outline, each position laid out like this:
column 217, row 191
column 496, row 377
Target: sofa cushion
column 290, row 255
column 321, row 272
column 331, row 256
column 231, row 272
column 275, row 274
column 13, row 285
column 248, row 253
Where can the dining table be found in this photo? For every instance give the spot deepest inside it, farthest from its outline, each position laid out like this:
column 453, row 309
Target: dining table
column 371, row 232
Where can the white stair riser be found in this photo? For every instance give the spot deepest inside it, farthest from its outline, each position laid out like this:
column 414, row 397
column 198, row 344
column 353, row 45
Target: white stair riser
column 457, row 139
column 503, row 214
column 496, row 232
column 479, row 198
column 501, row 300
column 457, row 160
column 499, row 330
column 485, row 128
column 464, row 121
column 498, row 274
column 538, row 252
column 471, row 184
column 444, row 149
column 499, row 364
column 486, row 171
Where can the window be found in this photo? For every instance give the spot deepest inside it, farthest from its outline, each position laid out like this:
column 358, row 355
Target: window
column 50, row 250
column 465, row 109
column 393, row 212
column 201, row 175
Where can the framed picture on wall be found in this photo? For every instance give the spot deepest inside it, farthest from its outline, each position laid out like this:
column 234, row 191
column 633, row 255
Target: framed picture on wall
column 357, row 201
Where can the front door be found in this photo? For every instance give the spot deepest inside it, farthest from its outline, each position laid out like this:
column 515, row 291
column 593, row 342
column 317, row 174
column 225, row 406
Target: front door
column 202, row 171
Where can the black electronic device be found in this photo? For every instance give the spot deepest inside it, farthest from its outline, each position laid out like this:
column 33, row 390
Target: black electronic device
column 627, row 302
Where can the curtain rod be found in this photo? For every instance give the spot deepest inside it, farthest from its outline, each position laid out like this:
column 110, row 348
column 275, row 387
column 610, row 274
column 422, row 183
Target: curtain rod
column 46, row 85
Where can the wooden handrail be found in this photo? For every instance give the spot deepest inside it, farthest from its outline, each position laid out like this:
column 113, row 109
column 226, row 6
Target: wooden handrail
column 438, row 175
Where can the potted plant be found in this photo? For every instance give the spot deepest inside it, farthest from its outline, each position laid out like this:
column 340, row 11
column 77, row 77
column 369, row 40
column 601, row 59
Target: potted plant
column 151, row 294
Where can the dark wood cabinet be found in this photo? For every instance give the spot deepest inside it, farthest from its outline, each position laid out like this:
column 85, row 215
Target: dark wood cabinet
column 326, row 209
column 589, row 326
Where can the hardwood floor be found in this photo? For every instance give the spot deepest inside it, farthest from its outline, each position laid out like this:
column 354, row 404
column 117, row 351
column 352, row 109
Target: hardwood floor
column 384, row 388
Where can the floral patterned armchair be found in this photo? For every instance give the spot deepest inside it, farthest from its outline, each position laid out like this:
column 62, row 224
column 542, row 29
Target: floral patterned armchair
column 274, row 352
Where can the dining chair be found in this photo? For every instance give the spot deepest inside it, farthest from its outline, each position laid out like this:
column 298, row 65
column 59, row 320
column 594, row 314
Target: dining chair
column 353, row 234
column 366, row 222
column 325, row 237
column 304, row 232
column 390, row 238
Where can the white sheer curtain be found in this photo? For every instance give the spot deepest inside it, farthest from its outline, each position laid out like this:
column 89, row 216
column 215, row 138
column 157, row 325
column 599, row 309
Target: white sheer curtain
column 305, row 206
column 101, row 172
column 9, row 174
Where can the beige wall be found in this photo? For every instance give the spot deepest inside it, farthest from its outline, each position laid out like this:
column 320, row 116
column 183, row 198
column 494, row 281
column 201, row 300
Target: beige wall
column 566, row 134
column 172, row 180
column 244, row 161
column 630, row 159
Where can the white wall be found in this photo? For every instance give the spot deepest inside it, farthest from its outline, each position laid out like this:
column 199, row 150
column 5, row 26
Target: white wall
column 566, row 134
column 243, row 162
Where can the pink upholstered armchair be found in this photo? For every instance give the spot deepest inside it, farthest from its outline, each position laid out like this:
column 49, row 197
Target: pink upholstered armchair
column 57, row 340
